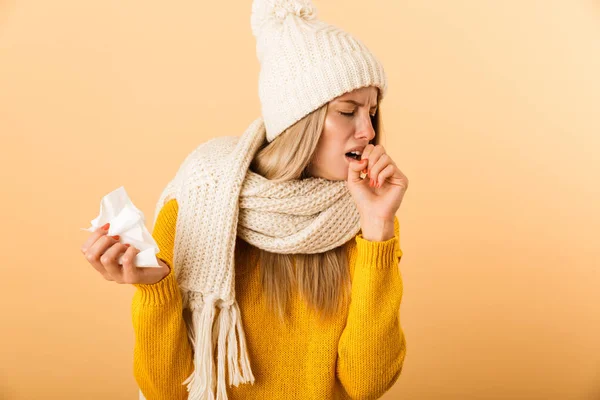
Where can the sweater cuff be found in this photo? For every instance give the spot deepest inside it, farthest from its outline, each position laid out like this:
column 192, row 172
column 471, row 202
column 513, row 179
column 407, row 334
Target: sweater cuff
column 375, row 254
column 159, row 293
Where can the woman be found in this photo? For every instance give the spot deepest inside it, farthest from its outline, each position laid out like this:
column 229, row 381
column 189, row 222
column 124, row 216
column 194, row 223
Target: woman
column 313, row 303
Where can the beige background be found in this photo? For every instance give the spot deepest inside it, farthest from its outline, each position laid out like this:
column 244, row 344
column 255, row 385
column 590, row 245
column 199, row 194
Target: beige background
column 493, row 114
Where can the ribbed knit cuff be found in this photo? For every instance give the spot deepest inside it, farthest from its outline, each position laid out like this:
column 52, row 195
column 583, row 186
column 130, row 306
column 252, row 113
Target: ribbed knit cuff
column 374, row 254
column 159, row 293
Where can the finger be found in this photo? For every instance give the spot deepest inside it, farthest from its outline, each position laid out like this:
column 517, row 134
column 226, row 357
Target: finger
column 354, row 169
column 382, row 162
column 110, row 261
column 93, row 237
column 131, row 273
column 373, row 156
column 96, row 251
column 385, row 173
column 365, row 155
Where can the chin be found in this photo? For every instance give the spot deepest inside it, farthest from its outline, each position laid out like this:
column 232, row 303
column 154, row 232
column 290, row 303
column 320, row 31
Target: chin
column 333, row 175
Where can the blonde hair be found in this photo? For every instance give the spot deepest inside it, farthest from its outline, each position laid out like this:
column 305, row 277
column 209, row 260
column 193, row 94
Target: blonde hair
column 322, row 279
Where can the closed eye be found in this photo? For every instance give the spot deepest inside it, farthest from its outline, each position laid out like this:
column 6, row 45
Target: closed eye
column 352, row 113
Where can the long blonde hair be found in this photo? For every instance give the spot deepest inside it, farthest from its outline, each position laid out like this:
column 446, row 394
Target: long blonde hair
column 322, row 279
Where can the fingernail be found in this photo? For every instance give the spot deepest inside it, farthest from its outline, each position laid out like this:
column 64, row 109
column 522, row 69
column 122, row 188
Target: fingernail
column 117, row 237
column 127, row 245
column 105, row 227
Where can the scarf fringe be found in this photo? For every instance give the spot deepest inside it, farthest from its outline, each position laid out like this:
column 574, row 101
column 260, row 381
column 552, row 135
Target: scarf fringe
column 221, row 339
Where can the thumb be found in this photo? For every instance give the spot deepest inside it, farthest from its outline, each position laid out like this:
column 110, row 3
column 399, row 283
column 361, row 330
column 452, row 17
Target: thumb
column 354, row 169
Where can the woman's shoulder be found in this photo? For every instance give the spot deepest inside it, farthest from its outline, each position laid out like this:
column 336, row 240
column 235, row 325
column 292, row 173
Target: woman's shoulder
column 171, row 207
column 172, row 203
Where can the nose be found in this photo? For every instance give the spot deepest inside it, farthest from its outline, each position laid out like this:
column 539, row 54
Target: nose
column 365, row 128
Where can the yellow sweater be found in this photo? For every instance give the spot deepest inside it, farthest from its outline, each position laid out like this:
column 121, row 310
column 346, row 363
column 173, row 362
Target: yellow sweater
column 359, row 355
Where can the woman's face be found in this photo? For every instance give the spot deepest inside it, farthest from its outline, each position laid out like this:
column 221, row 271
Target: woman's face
column 348, row 125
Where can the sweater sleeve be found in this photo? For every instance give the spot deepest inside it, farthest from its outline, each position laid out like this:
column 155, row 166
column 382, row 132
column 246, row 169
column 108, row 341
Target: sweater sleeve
column 162, row 355
column 372, row 347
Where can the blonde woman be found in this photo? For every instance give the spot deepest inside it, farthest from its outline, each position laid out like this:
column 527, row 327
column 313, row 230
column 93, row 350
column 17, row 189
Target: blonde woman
column 309, row 307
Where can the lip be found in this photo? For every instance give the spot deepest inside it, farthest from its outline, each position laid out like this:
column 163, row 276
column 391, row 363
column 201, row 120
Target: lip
column 355, row 148
column 361, row 148
column 348, row 159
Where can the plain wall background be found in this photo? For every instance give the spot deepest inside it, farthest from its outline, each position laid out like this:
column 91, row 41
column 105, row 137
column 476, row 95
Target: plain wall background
column 493, row 114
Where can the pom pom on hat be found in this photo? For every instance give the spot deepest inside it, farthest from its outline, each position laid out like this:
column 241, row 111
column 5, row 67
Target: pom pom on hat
column 276, row 11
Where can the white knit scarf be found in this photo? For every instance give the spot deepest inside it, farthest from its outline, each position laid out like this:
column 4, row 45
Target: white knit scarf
column 219, row 198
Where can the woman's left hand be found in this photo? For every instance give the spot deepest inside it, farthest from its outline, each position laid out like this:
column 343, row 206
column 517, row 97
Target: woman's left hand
column 381, row 201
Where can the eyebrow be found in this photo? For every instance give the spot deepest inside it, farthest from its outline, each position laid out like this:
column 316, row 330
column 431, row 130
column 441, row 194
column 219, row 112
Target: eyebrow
column 357, row 103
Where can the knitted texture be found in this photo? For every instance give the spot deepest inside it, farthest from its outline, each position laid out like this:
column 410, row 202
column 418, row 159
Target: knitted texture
column 219, row 199
column 305, row 62
column 357, row 354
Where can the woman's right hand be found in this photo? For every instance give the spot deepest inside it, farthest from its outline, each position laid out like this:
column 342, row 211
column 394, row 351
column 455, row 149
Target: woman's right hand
column 103, row 252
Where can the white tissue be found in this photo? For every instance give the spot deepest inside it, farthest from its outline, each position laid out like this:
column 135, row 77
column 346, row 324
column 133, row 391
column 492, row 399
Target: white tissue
column 127, row 221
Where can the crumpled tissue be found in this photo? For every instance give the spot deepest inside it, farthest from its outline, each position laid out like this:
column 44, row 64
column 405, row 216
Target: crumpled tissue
column 127, row 221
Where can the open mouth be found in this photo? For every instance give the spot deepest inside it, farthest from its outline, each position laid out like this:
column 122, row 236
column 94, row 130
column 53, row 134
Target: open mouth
column 353, row 156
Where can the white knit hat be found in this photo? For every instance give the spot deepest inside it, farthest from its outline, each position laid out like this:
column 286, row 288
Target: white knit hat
column 305, row 62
